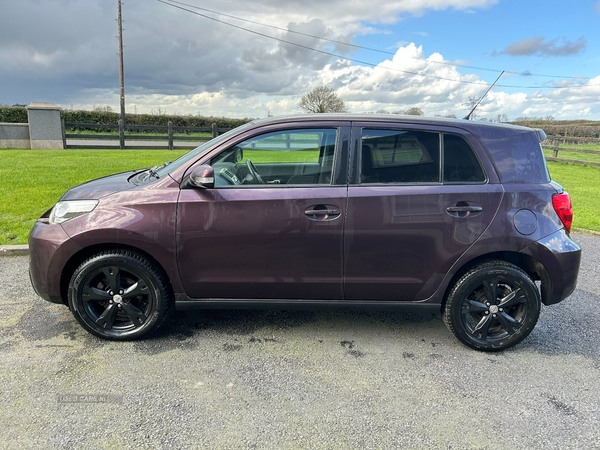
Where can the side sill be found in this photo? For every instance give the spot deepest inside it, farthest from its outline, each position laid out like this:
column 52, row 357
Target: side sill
column 411, row 307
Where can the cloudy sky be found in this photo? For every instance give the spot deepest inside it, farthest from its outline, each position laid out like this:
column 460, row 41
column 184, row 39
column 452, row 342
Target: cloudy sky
column 431, row 54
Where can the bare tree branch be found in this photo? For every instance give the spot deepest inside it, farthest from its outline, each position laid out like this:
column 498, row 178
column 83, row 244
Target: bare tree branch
column 322, row 99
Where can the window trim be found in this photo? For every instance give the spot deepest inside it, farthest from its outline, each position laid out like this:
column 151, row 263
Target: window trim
column 441, row 133
column 296, row 127
column 374, row 126
column 473, row 152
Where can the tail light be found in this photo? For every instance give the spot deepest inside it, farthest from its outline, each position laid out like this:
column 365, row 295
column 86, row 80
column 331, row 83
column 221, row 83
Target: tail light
column 564, row 209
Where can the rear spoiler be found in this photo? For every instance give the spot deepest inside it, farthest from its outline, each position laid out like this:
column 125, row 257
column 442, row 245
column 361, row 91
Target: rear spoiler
column 541, row 134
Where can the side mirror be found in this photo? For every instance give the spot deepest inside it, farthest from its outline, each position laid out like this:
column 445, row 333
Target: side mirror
column 239, row 155
column 201, row 177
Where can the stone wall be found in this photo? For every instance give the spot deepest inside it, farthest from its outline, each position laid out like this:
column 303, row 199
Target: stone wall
column 44, row 130
column 14, row 135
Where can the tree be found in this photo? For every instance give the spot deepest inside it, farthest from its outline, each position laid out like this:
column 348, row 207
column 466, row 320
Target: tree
column 414, row 111
column 103, row 108
column 322, row 99
column 472, row 104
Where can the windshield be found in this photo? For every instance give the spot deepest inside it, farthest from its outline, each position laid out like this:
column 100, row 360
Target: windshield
column 195, row 153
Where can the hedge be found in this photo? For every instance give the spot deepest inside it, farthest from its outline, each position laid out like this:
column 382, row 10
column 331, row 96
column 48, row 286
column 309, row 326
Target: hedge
column 19, row 115
column 9, row 114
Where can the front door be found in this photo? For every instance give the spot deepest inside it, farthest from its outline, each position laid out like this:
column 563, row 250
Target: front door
column 272, row 228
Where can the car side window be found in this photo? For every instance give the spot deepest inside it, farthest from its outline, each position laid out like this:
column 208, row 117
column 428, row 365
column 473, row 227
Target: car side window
column 400, row 156
column 288, row 157
column 460, row 163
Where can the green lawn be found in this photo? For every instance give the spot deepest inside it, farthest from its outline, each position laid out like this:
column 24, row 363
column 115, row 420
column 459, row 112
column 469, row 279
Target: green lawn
column 583, row 185
column 31, row 181
column 577, row 156
column 272, row 156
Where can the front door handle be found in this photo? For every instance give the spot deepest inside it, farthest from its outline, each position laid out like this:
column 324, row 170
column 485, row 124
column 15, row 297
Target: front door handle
column 322, row 212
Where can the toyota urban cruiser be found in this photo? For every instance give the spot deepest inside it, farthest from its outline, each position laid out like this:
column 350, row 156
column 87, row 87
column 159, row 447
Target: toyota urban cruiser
column 327, row 210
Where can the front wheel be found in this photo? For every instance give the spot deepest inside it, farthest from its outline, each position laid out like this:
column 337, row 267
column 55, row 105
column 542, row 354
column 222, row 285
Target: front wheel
column 493, row 306
column 118, row 295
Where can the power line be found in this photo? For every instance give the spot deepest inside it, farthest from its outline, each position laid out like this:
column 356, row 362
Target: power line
column 361, row 47
column 364, row 62
column 320, row 51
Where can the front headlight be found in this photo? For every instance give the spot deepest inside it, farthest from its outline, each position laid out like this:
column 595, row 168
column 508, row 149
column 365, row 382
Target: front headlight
column 64, row 211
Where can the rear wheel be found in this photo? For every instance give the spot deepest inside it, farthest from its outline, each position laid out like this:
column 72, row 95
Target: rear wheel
column 118, row 295
column 493, row 306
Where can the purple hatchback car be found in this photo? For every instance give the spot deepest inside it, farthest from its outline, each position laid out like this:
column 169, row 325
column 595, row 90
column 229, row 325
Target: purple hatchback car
column 345, row 211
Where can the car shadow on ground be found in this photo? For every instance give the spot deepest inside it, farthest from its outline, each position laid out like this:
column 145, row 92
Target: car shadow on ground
column 245, row 322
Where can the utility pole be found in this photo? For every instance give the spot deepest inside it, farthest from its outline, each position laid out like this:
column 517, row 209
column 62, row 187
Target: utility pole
column 121, row 77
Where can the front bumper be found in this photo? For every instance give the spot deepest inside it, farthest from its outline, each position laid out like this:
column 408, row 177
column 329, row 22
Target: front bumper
column 49, row 250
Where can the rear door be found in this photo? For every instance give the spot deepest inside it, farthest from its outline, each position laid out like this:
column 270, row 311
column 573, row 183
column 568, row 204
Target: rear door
column 278, row 235
column 418, row 199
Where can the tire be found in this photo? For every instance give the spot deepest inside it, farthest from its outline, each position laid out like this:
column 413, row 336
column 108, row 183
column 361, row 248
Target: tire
column 119, row 295
column 493, row 306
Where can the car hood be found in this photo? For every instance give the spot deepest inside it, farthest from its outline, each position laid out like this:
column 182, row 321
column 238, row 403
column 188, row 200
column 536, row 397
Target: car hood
column 101, row 187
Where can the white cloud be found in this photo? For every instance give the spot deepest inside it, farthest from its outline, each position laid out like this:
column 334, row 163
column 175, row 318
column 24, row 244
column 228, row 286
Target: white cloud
column 388, row 86
column 186, row 64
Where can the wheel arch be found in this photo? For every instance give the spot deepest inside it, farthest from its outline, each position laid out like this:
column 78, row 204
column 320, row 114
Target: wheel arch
column 87, row 252
column 531, row 266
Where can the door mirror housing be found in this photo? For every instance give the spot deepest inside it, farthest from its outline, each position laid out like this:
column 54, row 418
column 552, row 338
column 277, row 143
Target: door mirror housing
column 201, row 177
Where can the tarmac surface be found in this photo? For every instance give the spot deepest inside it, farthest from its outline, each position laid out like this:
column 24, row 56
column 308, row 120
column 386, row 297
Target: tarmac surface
column 297, row 379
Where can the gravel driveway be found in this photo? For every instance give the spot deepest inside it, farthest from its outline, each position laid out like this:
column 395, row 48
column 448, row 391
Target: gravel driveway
column 279, row 380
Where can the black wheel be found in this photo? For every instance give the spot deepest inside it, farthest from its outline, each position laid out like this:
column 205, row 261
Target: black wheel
column 118, row 295
column 493, row 306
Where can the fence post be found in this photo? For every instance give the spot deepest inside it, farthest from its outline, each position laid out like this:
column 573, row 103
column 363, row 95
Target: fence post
column 170, row 131
column 214, row 130
column 555, row 149
column 121, row 134
column 64, row 133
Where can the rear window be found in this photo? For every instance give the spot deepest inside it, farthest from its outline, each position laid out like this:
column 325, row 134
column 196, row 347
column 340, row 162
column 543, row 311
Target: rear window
column 460, row 163
column 411, row 156
column 516, row 153
column 400, row 156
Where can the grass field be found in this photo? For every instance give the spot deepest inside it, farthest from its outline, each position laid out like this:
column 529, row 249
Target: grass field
column 577, row 156
column 564, row 153
column 583, row 185
column 31, row 181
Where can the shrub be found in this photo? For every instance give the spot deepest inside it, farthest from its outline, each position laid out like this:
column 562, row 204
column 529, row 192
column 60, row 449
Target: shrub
column 104, row 117
column 19, row 115
column 9, row 114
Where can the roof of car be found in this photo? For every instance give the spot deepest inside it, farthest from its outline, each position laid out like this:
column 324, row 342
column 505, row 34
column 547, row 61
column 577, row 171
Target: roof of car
column 378, row 118
column 471, row 125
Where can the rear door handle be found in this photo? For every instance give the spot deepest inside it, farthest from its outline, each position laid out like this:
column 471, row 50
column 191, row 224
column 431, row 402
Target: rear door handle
column 459, row 209
column 463, row 209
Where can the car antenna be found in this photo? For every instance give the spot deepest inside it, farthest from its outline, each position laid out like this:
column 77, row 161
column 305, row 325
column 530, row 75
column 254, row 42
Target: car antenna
column 468, row 116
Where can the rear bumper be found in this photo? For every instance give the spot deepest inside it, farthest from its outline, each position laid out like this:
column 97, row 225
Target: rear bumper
column 561, row 257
